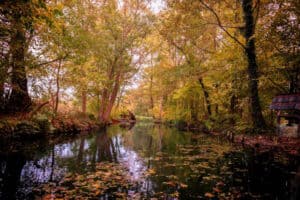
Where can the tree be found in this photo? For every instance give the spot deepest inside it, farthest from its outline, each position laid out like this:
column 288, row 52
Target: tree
column 19, row 20
column 123, row 31
column 250, row 52
column 256, row 111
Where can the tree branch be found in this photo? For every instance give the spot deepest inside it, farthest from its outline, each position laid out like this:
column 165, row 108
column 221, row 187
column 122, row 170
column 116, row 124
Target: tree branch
column 257, row 12
column 38, row 108
column 52, row 61
column 278, row 86
column 219, row 23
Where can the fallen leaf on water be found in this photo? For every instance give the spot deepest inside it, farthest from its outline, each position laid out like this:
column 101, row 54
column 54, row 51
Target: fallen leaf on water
column 96, row 185
column 48, row 197
column 220, row 183
column 217, row 190
column 182, row 185
column 209, row 195
column 151, row 171
column 170, row 183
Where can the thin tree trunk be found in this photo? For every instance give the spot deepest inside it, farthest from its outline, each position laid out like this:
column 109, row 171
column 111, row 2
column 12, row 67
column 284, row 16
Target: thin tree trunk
column 151, row 95
column 234, row 98
column 161, row 108
column 57, row 86
column 84, row 100
column 255, row 108
column 2, row 93
column 151, row 88
column 206, row 96
column 233, row 102
column 120, row 97
column 294, row 80
column 3, row 79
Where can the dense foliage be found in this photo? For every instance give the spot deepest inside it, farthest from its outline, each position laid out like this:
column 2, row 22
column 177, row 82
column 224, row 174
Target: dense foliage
column 216, row 62
column 221, row 62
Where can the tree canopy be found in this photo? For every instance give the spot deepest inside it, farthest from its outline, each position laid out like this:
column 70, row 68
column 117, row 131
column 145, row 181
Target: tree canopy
column 216, row 62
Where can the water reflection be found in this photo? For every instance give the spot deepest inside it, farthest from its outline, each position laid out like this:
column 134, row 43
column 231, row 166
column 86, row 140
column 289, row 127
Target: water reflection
column 10, row 175
column 186, row 165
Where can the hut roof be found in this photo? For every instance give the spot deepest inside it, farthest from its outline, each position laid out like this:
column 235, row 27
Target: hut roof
column 286, row 102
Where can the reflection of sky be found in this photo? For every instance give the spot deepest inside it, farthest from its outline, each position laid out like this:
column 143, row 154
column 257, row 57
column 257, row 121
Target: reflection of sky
column 135, row 165
column 41, row 171
column 46, row 169
column 130, row 159
column 65, row 150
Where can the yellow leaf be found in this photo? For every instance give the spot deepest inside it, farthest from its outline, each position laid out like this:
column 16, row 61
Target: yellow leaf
column 209, row 195
column 182, row 185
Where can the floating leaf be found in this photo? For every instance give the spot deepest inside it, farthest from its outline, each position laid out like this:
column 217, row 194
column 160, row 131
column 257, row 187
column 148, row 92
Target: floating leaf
column 182, row 185
column 209, row 195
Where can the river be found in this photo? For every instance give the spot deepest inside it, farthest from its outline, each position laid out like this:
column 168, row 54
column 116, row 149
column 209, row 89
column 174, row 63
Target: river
column 146, row 161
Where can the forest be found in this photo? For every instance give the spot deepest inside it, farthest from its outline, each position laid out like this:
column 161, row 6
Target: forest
column 216, row 81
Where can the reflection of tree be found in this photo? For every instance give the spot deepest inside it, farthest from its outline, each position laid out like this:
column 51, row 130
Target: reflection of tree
column 117, row 145
column 160, row 137
column 10, row 174
column 127, row 126
column 80, row 151
column 105, row 148
column 148, row 167
column 52, row 163
column 295, row 185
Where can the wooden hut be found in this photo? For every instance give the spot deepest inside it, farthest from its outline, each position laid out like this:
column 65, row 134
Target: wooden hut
column 287, row 107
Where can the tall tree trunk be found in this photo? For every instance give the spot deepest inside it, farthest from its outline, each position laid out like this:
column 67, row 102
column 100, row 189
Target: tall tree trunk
column 3, row 79
column 234, row 98
column 104, row 100
column 112, row 99
column 151, row 95
column 84, row 100
column 120, row 97
column 105, row 94
column 19, row 99
column 2, row 92
column 233, row 102
column 151, row 87
column 255, row 108
column 160, row 108
column 294, row 80
column 206, row 96
column 57, row 86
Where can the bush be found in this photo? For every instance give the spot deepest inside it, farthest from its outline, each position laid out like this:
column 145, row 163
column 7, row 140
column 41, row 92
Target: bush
column 6, row 128
column 181, row 124
column 26, row 128
column 43, row 122
column 92, row 117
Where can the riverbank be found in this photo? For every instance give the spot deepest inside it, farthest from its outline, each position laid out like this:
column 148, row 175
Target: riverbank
column 41, row 126
column 262, row 142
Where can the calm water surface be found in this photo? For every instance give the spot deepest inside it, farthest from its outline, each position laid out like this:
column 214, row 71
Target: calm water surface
column 178, row 165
